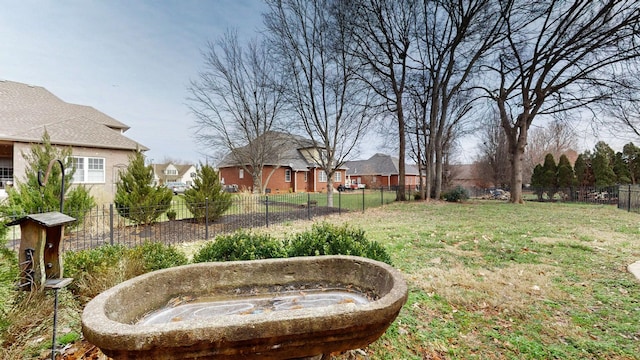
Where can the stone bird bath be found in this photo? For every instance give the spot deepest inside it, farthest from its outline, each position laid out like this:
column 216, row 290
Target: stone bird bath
column 263, row 309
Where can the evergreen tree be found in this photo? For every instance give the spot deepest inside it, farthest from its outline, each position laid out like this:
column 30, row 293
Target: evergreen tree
column 136, row 198
column 621, row 169
column 583, row 170
column 28, row 197
column 566, row 176
column 207, row 188
column 537, row 181
column 631, row 156
column 550, row 175
column 602, row 165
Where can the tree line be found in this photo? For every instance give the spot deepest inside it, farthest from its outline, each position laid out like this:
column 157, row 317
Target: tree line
column 602, row 167
column 424, row 73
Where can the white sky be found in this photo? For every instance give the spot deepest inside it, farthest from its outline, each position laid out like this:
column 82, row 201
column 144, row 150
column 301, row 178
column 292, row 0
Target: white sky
column 133, row 60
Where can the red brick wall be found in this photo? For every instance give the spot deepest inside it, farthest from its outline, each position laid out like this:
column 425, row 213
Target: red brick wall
column 277, row 183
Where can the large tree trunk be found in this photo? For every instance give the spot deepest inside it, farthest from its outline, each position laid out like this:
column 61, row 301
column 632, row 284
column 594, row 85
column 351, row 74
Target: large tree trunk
column 330, row 190
column 517, row 136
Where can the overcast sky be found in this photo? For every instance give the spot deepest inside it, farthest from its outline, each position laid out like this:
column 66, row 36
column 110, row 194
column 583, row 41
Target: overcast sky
column 133, row 60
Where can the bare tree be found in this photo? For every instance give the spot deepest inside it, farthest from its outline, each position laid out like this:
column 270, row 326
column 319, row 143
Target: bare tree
column 329, row 102
column 383, row 32
column 558, row 56
column 455, row 38
column 236, row 100
column 493, row 160
column 557, row 138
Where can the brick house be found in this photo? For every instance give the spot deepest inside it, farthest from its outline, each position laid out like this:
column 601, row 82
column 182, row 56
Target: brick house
column 380, row 170
column 98, row 144
column 289, row 168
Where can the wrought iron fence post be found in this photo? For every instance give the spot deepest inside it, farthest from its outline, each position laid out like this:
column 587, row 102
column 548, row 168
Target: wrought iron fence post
column 362, row 199
column 308, row 206
column 206, row 218
column 266, row 213
column 629, row 199
column 381, row 195
column 339, row 202
column 111, row 224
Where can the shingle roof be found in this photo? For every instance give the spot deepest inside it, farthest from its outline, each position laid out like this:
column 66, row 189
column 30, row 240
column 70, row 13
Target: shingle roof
column 27, row 111
column 287, row 154
column 378, row 164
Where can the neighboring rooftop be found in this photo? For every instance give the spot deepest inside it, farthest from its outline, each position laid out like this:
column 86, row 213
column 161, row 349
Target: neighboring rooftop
column 378, row 164
column 26, row 111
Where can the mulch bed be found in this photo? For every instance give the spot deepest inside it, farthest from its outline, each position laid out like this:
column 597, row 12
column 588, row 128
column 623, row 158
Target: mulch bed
column 188, row 230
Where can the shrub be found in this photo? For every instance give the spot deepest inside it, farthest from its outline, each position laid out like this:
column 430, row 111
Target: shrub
column 207, row 194
column 240, row 246
column 136, row 199
column 28, row 197
column 156, row 256
column 455, row 195
column 171, row 214
column 327, row 239
column 96, row 270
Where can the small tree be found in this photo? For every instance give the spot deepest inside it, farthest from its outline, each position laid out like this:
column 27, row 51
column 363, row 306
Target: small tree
column 537, row 181
column 27, row 196
column 550, row 176
column 207, row 189
column 136, row 198
column 566, row 176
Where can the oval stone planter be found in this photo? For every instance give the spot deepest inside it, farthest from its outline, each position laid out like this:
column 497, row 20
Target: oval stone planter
column 367, row 296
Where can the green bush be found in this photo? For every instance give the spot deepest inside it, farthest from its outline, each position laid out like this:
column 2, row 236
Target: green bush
column 327, row 239
column 171, row 214
column 240, row 246
column 207, row 195
column 136, row 199
column 79, row 263
column 156, row 256
column 455, row 195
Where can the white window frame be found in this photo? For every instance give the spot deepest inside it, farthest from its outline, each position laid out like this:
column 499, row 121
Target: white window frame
column 338, row 176
column 287, row 175
column 241, row 174
column 89, row 173
column 322, row 176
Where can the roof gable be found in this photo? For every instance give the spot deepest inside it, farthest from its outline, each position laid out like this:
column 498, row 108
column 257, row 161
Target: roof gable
column 378, row 164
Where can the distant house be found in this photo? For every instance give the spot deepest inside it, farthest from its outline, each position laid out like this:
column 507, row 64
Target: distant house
column 163, row 173
column 290, row 167
column 380, row 170
column 99, row 148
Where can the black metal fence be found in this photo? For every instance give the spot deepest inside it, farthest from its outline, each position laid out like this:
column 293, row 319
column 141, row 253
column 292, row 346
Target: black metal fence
column 629, row 197
column 104, row 225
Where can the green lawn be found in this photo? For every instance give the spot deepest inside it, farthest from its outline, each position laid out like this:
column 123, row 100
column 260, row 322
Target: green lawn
column 492, row 280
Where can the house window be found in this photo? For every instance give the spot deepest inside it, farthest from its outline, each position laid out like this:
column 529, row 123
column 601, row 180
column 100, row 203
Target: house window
column 241, row 174
column 193, row 175
column 287, row 175
column 338, row 176
column 171, row 172
column 306, row 176
column 88, row 170
column 322, row 177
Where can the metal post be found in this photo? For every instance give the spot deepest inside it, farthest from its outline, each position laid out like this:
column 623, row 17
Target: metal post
column 629, row 199
column 111, row 223
column 266, row 214
column 381, row 195
column 55, row 321
column 308, row 206
column 363, row 200
column 339, row 202
column 206, row 218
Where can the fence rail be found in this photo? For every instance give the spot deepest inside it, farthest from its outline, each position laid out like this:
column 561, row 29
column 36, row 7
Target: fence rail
column 629, row 198
column 103, row 225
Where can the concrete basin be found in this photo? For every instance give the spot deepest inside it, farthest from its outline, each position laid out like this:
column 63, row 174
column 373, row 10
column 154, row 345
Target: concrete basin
column 262, row 309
